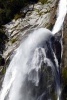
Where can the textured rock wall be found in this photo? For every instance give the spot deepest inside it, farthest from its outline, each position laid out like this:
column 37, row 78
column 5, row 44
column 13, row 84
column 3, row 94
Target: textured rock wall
column 37, row 15
column 65, row 43
column 64, row 62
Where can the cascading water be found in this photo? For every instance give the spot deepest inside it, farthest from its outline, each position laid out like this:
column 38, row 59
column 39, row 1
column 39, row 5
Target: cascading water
column 26, row 63
column 62, row 10
column 34, row 70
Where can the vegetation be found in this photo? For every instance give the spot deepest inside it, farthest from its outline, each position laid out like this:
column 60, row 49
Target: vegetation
column 13, row 40
column 8, row 9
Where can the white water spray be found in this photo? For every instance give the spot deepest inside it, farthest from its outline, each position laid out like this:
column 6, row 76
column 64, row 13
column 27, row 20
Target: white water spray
column 19, row 63
column 62, row 10
column 7, row 87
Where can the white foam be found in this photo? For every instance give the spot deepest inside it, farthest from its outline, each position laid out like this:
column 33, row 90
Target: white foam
column 62, row 10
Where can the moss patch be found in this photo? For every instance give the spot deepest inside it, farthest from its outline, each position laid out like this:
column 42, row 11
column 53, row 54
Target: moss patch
column 13, row 40
column 43, row 1
column 18, row 16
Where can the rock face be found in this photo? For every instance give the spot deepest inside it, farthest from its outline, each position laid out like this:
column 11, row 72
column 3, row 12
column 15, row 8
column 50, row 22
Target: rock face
column 37, row 15
column 64, row 60
column 65, row 43
column 33, row 17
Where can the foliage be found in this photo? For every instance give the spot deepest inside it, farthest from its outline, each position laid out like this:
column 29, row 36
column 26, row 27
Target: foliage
column 8, row 9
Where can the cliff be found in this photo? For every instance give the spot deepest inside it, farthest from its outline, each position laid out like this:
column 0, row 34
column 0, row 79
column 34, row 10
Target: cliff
column 29, row 18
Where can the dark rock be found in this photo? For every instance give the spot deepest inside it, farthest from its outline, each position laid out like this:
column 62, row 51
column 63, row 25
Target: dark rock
column 2, row 61
column 64, row 93
column 58, row 46
column 3, row 39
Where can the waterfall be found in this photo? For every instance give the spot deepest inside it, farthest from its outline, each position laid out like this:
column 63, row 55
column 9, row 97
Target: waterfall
column 62, row 10
column 26, row 63
column 33, row 72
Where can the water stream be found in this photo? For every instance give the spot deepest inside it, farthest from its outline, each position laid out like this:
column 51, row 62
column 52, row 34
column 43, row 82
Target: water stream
column 33, row 73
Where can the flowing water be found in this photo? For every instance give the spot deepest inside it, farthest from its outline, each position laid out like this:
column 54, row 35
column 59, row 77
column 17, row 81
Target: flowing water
column 33, row 73
column 62, row 10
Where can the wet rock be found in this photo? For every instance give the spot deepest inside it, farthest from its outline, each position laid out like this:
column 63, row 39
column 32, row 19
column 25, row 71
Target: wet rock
column 64, row 61
column 45, row 88
column 2, row 61
column 3, row 40
column 17, row 30
column 65, row 43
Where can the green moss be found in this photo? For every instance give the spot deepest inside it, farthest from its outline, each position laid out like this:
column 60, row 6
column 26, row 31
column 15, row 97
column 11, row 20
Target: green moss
column 3, row 70
column 64, row 75
column 50, row 27
column 13, row 40
column 40, row 13
column 17, row 16
column 43, row 1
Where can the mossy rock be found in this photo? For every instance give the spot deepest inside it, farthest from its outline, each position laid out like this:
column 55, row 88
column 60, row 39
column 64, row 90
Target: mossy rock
column 17, row 16
column 64, row 75
column 13, row 40
column 3, row 70
column 43, row 1
column 50, row 27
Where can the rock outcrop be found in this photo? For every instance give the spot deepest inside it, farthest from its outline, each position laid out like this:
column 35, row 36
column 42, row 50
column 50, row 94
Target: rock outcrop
column 33, row 16
column 37, row 15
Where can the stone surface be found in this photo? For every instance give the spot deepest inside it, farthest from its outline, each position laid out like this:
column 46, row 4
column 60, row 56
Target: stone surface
column 64, row 61
column 65, row 43
column 39, row 16
column 36, row 16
